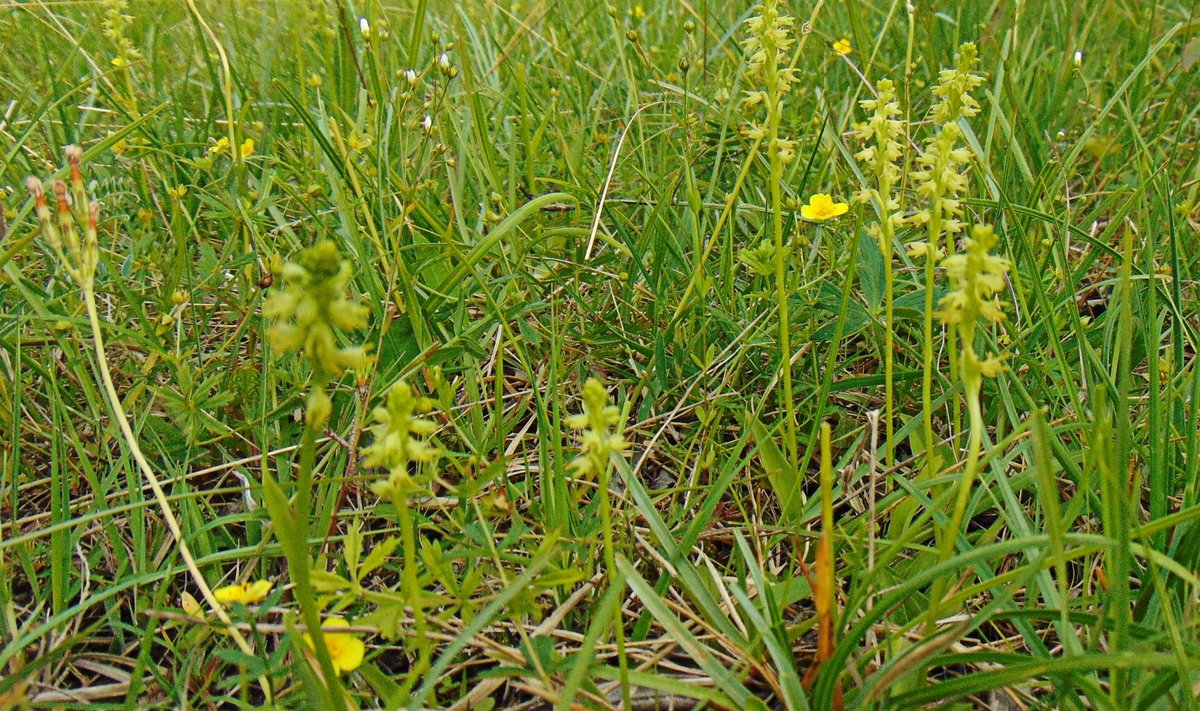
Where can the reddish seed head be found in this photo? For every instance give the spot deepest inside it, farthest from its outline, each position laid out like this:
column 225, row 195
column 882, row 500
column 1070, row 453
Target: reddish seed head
column 74, row 156
column 37, row 191
column 60, row 192
column 93, row 215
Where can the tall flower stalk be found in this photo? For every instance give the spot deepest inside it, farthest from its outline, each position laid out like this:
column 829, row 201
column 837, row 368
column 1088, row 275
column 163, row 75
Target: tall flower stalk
column 768, row 47
column 976, row 277
column 941, row 179
column 78, row 251
column 599, row 443
column 307, row 311
column 882, row 136
column 400, row 447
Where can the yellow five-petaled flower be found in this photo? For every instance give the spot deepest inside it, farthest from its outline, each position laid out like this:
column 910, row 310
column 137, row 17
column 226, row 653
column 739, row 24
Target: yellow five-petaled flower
column 345, row 650
column 842, row 47
column 821, row 207
column 246, row 593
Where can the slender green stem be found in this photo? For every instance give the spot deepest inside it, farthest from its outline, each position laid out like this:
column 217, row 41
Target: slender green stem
column 304, row 477
column 610, row 562
column 965, row 484
column 974, row 447
column 889, row 345
column 160, row 496
column 887, row 237
column 935, row 230
column 774, row 115
column 412, row 592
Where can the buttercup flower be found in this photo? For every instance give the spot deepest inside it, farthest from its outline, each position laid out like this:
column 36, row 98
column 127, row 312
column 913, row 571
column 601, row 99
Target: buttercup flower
column 246, row 593
column 345, row 650
column 821, row 207
column 842, row 47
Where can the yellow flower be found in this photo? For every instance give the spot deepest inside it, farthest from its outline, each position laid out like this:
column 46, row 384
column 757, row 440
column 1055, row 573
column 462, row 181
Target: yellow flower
column 842, row 47
column 221, row 145
column 120, row 62
column 821, row 207
column 638, row 12
column 247, row 148
column 345, row 650
column 178, row 192
column 245, row 593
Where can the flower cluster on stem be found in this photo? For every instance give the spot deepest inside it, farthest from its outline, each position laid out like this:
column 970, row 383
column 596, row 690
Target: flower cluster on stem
column 882, row 136
column 941, row 180
column 306, row 310
column 768, row 46
column 976, row 277
column 597, row 440
column 399, row 441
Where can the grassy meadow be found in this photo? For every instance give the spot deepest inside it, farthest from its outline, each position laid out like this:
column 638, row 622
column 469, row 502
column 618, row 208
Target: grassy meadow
column 573, row 354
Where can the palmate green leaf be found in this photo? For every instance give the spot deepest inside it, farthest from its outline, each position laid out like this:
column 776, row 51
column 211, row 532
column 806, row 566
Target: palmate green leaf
column 485, row 617
column 325, row 581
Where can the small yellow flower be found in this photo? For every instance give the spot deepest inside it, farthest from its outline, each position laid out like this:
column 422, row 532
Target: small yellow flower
column 345, row 650
column 220, row 146
column 246, row 593
column 120, row 62
column 247, row 148
column 638, row 12
column 821, row 207
column 178, row 192
column 842, row 47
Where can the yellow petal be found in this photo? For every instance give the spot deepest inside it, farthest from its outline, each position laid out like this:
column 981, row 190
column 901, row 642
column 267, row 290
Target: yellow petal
column 345, row 650
column 245, row 593
column 189, row 604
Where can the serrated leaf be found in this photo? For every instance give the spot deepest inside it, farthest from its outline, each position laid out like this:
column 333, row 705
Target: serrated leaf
column 377, row 557
column 324, row 581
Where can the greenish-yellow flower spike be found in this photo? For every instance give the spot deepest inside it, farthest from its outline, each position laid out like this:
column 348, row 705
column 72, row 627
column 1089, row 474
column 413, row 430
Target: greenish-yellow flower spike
column 954, row 87
column 310, row 304
column 399, row 440
column 597, row 442
column 768, row 47
column 975, row 278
